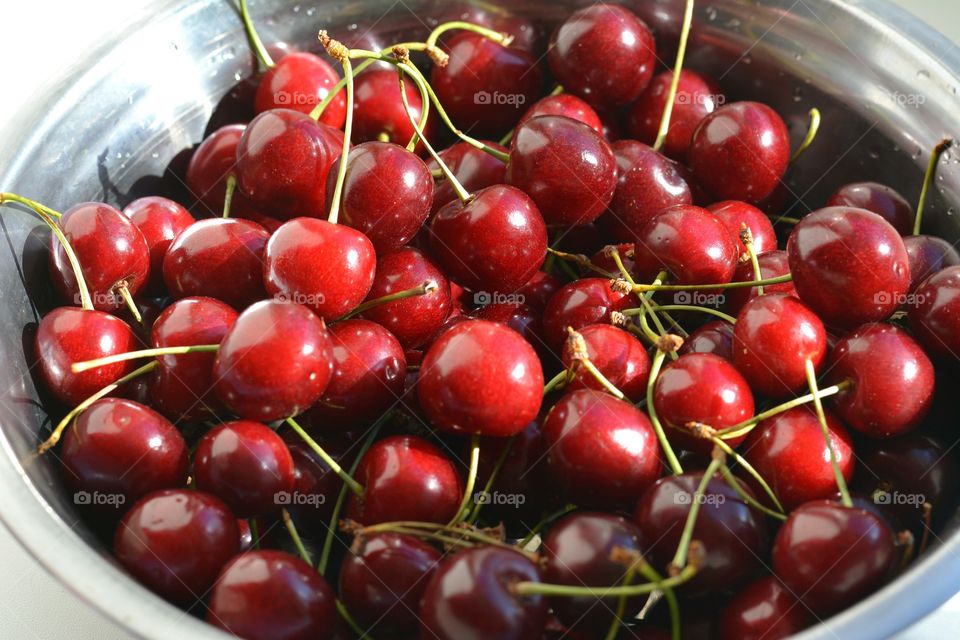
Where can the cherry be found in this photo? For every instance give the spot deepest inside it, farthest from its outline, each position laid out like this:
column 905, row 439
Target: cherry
column 316, row 486
column 892, row 378
column 935, row 320
column 848, row 265
column 927, row 255
column 521, row 474
column 210, row 166
column 734, row 213
column 123, row 450
column 773, row 264
column 274, row 362
column 603, row 259
column 300, row 81
column 740, row 151
column 470, row 597
column 481, row 378
column 564, row 104
column 272, row 595
column 618, row 355
column 406, row 478
column 176, row 541
column 494, row 242
column 697, row 97
column 764, row 610
column 833, row 556
column 733, row 534
column 473, row 168
column 283, row 159
column 520, row 317
column 219, row 258
column 526, row 35
column 714, row 337
column 603, row 53
column 325, row 266
column 68, row 335
column 789, row 452
column 484, row 85
column 183, row 387
column 378, row 109
column 411, row 320
column 578, row 304
column 160, row 221
column 876, row 198
column 602, row 452
column 381, row 583
column 566, row 167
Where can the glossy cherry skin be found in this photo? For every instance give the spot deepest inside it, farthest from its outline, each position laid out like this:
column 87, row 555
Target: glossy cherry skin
column 879, row 199
column 324, row 266
column 604, row 53
column 210, row 166
column 485, row 85
column 764, row 610
column 714, row 337
column 218, row 258
column 111, row 250
column 405, row 478
column 578, row 304
column 697, row 97
column 175, row 542
column 494, row 242
column 789, row 451
column 927, row 255
column 565, row 166
column 733, row 534
column 470, row 598
column 539, row 289
column 520, row 317
column 740, row 151
column 123, row 449
column 381, row 583
column 481, row 377
column 160, row 220
column 411, row 320
column 68, row 335
column 300, row 81
column 283, row 159
column 849, row 266
column 688, row 242
column 619, row 356
column 564, row 104
column 602, row 452
column 272, row 595
column 935, row 320
column 734, row 213
column 773, row 264
column 183, row 387
column 378, row 108
column 274, row 362
column 833, row 556
column 473, row 168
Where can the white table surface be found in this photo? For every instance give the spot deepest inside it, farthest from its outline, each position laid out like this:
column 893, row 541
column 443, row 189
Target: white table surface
column 32, row 604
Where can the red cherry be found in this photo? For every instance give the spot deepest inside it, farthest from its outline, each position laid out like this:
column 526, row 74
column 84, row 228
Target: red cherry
column 378, row 109
column 526, row 35
column 176, row 541
column 474, row 168
column 564, row 104
column 927, row 255
column 160, row 221
column 539, row 289
column 210, row 166
column 773, row 264
column 271, row 595
column 300, row 81
column 619, row 356
column 936, row 317
column 876, row 198
column 481, row 377
column 578, row 304
column 764, row 610
column 740, row 151
column 714, row 337
column 604, row 53
column 274, row 362
column 520, row 317
column 565, row 166
column 734, row 213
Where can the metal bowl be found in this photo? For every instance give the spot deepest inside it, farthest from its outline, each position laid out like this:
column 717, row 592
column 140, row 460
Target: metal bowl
column 886, row 84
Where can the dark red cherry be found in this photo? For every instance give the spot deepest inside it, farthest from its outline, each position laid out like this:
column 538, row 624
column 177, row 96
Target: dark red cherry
column 122, row 450
column 176, row 541
column 272, row 595
column 381, row 583
column 405, row 478
column 325, row 266
column 481, row 377
column 565, row 166
column 283, row 159
column 470, row 597
column 603, row 452
column 521, row 489
column 697, row 97
column 111, row 250
column 219, row 258
column 274, row 362
column 494, row 242
column 619, row 356
column 790, row 453
column 474, row 168
column 522, row 318
column 564, row 104
column 734, row 213
column 740, row 151
column 68, row 335
column 773, row 264
column 300, row 81
column 316, row 487
column 833, row 556
column 849, row 265
column 526, row 34
column 604, row 53
column 160, row 220
column 714, row 337
column 764, row 610
column 877, row 198
column 927, row 255
column 578, row 304
column 378, row 108
column 935, row 318
column 485, row 85
column 183, row 388
column 210, row 166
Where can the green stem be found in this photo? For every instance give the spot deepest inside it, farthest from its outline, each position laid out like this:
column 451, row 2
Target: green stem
column 683, row 307
column 254, row 533
column 675, row 80
column 128, row 300
column 427, row 287
column 743, row 428
column 643, row 288
column 295, row 536
column 556, row 382
column 577, row 259
column 746, row 497
column 651, row 574
column 686, row 537
column 464, row 509
column 79, row 367
column 33, row 204
column 330, row 462
column 672, row 460
column 621, row 605
column 357, row 629
column 822, row 418
column 228, row 195
column 496, row 36
column 344, row 157
column 544, row 521
column 811, row 134
column 488, row 487
column 262, row 54
column 746, row 236
column 749, row 468
column 942, row 146
column 533, row 588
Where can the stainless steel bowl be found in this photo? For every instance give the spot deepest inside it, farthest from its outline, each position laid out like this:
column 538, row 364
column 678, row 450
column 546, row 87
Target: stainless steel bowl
column 886, row 83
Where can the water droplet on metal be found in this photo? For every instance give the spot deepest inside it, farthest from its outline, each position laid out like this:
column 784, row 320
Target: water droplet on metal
column 923, row 73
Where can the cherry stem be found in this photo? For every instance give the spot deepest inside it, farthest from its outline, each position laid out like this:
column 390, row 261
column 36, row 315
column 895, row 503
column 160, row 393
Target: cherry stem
column 746, row 237
column 556, row 383
column 581, row 358
column 54, row 438
column 33, row 204
column 345, row 614
column 579, row 259
column 822, row 418
column 811, row 134
column 652, row 575
column 500, row 38
column 932, row 163
column 340, row 53
column 544, row 521
column 655, row 367
column 254, row 532
column 228, row 195
column 295, row 536
column 262, row 54
column 427, row 287
column 561, row 590
column 488, row 487
column 746, row 426
column 355, row 486
column 79, row 367
column 645, row 301
column 128, row 300
column 643, row 288
column 464, row 509
column 778, row 219
column 621, row 604
column 675, row 79
column 639, row 311
column 927, row 510
column 680, row 557
column 746, row 497
column 705, row 431
column 457, row 534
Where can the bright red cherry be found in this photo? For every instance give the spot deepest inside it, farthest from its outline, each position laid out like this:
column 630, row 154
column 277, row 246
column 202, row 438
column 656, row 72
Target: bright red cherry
column 300, row 81
column 935, row 319
column 378, row 108
column 927, row 255
column 877, row 198
column 474, row 168
column 773, row 264
column 734, row 213
column 564, row 104
column 210, row 166
column 619, row 356
column 578, row 304
column 764, row 610
column 160, row 220
column 714, row 337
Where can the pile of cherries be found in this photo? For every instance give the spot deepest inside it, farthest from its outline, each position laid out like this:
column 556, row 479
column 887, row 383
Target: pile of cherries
column 563, row 385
